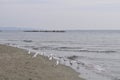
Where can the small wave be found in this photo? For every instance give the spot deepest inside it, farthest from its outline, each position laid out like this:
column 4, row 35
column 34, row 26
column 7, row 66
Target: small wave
column 72, row 57
column 71, row 49
column 46, row 48
column 107, row 51
column 28, row 46
column 12, row 40
column 28, row 41
column 79, row 49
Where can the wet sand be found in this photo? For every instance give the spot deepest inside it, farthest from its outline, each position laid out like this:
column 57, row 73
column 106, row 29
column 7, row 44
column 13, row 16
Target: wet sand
column 17, row 64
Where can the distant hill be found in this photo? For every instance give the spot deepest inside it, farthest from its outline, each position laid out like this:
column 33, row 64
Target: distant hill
column 44, row 31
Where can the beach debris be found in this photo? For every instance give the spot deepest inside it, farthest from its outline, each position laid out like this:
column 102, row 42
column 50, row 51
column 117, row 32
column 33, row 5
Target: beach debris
column 30, row 79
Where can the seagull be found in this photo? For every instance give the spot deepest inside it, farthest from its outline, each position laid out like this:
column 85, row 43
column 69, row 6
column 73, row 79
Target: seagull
column 71, row 63
column 35, row 55
column 41, row 53
column 99, row 68
column 64, row 60
column 78, row 64
column 57, row 62
column 60, row 57
column 29, row 52
column 51, row 57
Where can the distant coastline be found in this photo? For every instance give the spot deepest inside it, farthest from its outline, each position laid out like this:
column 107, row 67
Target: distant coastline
column 44, row 31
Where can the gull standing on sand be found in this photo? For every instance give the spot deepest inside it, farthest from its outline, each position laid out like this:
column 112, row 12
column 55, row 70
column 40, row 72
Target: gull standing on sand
column 35, row 55
column 57, row 62
column 51, row 57
column 42, row 53
column 29, row 52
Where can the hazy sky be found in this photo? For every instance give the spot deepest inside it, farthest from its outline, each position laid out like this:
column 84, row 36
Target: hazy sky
column 60, row 14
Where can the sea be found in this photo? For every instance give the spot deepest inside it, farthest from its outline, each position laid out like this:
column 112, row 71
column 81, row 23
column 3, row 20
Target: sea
column 95, row 54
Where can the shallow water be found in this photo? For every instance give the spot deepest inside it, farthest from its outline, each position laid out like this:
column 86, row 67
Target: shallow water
column 98, row 52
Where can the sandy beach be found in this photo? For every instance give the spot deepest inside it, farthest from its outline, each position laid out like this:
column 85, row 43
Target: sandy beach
column 17, row 64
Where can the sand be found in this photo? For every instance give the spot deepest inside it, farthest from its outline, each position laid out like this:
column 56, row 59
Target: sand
column 17, row 64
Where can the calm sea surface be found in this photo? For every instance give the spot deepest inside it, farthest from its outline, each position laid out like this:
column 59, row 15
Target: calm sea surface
column 96, row 53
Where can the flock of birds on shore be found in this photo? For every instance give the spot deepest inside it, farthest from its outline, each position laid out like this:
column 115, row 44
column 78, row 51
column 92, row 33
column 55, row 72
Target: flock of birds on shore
column 57, row 59
column 64, row 59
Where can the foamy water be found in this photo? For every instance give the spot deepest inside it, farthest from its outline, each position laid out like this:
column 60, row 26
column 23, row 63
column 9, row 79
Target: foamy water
column 97, row 52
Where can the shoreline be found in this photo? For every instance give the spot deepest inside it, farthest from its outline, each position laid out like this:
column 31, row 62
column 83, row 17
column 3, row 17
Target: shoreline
column 17, row 64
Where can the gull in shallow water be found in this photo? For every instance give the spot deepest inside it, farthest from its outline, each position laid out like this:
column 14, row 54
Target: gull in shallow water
column 99, row 68
column 70, row 61
column 64, row 59
column 78, row 64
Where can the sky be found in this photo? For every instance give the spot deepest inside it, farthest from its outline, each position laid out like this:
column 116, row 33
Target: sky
column 60, row 14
